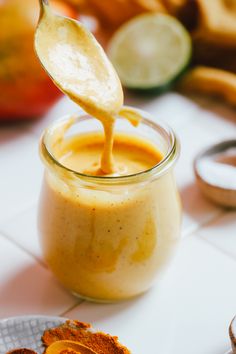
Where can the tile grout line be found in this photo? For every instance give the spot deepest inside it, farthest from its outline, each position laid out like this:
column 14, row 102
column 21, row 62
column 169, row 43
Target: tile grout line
column 23, row 210
column 205, row 223
column 23, row 249
column 220, row 250
column 62, row 314
column 78, row 302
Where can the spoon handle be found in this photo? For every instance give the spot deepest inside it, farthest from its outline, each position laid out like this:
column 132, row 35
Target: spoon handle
column 43, row 4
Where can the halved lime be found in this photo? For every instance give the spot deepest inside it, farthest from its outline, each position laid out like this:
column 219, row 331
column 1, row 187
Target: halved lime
column 150, row 51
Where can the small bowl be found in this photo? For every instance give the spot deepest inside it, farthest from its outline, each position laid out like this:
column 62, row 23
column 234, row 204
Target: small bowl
column 215, row 171
column 232, row 334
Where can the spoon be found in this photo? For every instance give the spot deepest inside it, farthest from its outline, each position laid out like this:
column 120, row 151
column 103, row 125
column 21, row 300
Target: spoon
column 77, row 64
column 215, row 170
column 80, row 68
column 232, row 334
column 67, row 346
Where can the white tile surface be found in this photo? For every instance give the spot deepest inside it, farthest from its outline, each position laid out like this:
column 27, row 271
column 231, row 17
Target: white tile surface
column 206, row 129
column 205, row 295
column 21, row 171
column 214, row 106
column 63, row 107
column 142, row 324
column 197, row 211
column 222, row 233
column 26, row 287
column 195, row 300
column 22, row 229
column 190, row 310
column 172, row 108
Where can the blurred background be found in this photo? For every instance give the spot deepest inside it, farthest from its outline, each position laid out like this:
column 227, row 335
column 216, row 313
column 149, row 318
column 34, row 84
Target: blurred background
column 27, row 93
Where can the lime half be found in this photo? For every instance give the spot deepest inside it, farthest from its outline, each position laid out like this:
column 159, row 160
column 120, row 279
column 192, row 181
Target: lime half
column 150, row 51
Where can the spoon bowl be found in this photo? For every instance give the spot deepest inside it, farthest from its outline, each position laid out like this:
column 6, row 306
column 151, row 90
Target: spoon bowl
column 77, row 63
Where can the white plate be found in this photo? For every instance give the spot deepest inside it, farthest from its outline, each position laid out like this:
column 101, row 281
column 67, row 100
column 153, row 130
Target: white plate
column 25, row 332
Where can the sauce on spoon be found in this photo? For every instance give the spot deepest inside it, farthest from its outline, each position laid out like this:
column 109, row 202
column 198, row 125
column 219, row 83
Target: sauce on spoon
column 79, row 67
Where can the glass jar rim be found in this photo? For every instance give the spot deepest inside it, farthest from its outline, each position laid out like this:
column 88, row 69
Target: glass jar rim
column 152, row 173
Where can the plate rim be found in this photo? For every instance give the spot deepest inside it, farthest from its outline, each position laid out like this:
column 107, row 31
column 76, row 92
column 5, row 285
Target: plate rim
column 21, row 319
column 5, row 319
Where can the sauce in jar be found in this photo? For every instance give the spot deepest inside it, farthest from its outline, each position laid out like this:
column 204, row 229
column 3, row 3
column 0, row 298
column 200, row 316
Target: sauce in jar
column 106, row 238
column 109, row 215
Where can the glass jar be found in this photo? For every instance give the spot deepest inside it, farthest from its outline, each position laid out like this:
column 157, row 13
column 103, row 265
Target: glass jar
column 108, row 238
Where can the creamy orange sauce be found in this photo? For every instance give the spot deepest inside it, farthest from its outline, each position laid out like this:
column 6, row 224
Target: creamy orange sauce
column 130, row 153
column 108, row 243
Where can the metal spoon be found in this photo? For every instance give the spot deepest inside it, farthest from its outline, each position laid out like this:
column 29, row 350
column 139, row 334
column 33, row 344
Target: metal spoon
column 215, row 170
